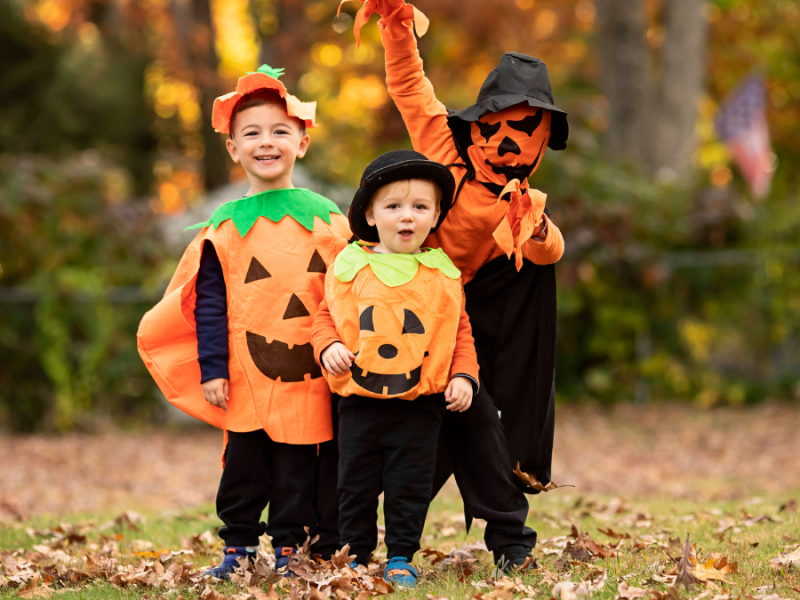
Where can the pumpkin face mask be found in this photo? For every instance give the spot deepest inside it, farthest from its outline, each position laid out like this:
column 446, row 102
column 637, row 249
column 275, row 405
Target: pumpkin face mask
column 391, row 349
column 510, row 143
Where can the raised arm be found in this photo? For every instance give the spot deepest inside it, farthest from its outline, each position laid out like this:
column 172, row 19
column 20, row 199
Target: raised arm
column 412, row 92
column 425, row 117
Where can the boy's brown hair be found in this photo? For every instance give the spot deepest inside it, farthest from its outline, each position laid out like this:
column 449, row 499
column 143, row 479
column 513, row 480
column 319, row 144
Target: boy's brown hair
column 260, row 98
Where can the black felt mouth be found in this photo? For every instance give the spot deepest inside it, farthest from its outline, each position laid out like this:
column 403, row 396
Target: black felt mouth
column 393, row 384
column 277, row 361
column 520, row 171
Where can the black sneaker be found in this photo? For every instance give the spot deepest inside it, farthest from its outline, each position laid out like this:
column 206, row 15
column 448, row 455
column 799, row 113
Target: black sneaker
column 512, row 557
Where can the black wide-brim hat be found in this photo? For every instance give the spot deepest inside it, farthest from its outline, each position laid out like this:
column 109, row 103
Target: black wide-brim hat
column 395, row 166
column 518, row 79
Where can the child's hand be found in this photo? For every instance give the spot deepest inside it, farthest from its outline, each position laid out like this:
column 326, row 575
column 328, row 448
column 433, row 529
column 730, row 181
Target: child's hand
column 215, row 391
column 458, row 394
column 337, row 359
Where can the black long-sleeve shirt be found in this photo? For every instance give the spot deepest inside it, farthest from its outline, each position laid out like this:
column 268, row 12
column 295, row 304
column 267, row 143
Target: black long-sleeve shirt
column 211, row 315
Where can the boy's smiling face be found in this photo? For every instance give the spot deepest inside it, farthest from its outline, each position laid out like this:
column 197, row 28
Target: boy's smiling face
column 266, row 142
column 404, row 212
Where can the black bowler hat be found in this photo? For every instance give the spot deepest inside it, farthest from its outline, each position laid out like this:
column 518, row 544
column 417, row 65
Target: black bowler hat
column 395, row 166
column 518, row 78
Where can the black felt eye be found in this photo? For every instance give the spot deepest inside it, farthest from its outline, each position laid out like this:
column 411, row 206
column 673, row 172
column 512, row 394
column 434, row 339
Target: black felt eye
column 487, row 131
column 256, row 271
column 317, row 264
column 411, row 323
column 365, row 320
column 529, row 124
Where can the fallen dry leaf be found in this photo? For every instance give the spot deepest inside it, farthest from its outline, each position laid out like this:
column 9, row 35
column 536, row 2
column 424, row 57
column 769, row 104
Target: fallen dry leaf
column 531, row 481
column 627, row 592
column 785, row 560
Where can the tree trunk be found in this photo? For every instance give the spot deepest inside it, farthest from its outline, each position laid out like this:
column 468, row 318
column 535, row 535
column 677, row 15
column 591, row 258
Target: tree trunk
column 680, row 85
column 620, row 36
column 652, row 108
column 195, row 27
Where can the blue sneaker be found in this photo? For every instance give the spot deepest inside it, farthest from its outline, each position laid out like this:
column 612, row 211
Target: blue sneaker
column 230, row 562
column 399, row 571
column 282, row 554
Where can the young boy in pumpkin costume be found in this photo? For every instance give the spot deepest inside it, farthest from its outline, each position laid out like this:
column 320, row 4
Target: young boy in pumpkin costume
column 392, row 335
column 230, row 341
column 505, row 245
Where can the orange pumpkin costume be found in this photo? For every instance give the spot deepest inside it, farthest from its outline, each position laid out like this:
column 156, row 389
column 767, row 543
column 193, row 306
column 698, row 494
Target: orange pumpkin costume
column 405, row 334
column 274, row 249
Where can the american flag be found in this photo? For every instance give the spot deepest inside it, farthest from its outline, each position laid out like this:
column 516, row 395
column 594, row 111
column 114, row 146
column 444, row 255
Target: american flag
column 742, row 123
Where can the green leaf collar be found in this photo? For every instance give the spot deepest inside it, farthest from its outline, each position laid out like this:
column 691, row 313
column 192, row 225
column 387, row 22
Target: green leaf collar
column 300, row 204
column 391, row 269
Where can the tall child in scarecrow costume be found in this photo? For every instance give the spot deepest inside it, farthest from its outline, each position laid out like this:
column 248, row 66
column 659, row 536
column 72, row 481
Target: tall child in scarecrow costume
column 230, row 343
column 396, row 345
column 498, row 235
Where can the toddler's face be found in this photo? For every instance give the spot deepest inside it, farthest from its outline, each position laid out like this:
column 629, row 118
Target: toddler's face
column 266, row 141
column 404, row 213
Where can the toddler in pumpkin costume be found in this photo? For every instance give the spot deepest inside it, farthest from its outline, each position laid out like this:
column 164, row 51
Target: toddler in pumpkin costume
column 396, row 346
column 230, row 341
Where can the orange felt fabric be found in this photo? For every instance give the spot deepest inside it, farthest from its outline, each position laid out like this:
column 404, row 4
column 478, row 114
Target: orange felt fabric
column 434, row 298
column 224, row 105
column 467, row 234
column 296, row 411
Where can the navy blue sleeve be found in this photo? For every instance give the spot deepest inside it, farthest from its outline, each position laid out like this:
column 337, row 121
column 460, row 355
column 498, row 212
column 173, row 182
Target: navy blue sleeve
column 211, row 315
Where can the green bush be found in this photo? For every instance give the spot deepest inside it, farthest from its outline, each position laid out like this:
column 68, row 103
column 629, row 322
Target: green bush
column 76, row 261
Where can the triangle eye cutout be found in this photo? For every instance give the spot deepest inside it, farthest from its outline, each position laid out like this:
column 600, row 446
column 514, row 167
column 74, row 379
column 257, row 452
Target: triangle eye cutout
column 317, row 265
column 296, row 308
column 256, row 271
column 411, row 323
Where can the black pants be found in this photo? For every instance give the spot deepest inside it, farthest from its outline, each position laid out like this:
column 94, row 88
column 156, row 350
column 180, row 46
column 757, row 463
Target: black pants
column 513, row 321
column 296, row 482
column 386, row 446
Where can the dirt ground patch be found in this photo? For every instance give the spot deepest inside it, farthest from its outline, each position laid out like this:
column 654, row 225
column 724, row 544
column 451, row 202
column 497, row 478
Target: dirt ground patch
column 633, row 451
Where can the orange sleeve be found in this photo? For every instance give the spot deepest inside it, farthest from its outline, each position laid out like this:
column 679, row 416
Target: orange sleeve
column 465, row 359
column 548, row 251
column 425, row 117
column 323, row 331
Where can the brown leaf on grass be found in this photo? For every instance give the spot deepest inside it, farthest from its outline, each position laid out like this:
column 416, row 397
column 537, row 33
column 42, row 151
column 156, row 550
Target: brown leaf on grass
column 531, row 480
column 381, row 586
column 686, row 574
column 790, row 506
column 435, row 556
column 571, row 590
column 783, row 561
column 33, row 590
column 714, row 569
column 129, row 519
column 627, row 592
column 342, row 558
column 613, row 534
column 207, row 593
column 463, row 556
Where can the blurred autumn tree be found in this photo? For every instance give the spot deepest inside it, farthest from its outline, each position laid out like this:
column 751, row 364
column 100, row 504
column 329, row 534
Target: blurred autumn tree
column 676, row 284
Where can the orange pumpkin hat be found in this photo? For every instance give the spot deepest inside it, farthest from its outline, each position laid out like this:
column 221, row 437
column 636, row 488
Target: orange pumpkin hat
column 266, row 78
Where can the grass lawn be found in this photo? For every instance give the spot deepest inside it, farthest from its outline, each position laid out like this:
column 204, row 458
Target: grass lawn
column 748, row 532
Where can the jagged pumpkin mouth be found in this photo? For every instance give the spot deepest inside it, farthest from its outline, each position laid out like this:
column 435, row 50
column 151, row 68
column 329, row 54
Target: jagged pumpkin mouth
column 386, row 384
column 276, row 360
